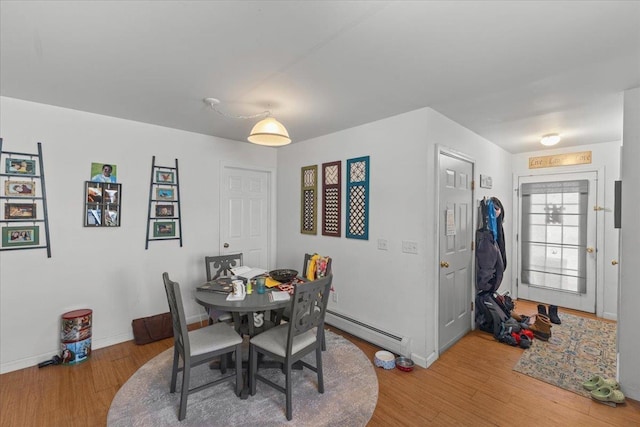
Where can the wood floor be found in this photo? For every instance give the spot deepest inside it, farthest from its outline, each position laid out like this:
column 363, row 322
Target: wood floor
column 472, row 384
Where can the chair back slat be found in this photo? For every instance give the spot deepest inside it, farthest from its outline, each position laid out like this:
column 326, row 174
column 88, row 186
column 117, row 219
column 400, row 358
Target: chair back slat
column 308, row 308
column 180, row 332
column 221, row 265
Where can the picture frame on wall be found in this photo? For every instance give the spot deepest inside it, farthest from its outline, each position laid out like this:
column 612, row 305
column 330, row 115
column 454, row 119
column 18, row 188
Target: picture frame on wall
column 165, row 177
column 164, row 210
column 164, row 229
column 165, row 194
column 20, row 166
column 104, row 172
column 20, row 188
column 20, row 236
column 102, row 204
column 19, row 210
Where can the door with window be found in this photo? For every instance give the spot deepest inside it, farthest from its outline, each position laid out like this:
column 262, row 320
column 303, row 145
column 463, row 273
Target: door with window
column 557, row 240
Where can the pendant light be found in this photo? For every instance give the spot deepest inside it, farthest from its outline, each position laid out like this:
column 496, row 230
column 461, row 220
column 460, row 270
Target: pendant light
column 267, row 131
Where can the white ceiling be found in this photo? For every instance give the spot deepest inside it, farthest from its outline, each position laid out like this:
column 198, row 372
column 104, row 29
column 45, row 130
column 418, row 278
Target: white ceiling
column 509, row 71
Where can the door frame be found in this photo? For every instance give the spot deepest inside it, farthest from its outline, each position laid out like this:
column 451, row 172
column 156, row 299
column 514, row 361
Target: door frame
column 441, row 149
column 600, row 241
column 271, row 205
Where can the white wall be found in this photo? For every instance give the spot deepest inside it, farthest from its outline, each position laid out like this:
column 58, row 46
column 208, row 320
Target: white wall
column 106, row 269
column 629, row 318
column 388, row 289
column 605, row 159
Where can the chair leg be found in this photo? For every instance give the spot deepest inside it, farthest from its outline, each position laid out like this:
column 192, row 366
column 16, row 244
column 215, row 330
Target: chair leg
column 239, row 382
column 324, row 342
column 253, row 368
column 287, row 386
column 319, row 370
column 224, row 362
column 174, row 370
column 184, row 393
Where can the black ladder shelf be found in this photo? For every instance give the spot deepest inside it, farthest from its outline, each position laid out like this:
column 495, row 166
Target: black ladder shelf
column 20, row 186
column 163, row 219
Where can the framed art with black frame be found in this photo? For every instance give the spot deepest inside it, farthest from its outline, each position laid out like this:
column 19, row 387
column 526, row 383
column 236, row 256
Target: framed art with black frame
column 102, row 204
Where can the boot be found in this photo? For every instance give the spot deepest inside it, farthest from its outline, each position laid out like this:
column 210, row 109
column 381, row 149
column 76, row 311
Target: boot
column 540, row 325
column 553, row 314
column 542, row 309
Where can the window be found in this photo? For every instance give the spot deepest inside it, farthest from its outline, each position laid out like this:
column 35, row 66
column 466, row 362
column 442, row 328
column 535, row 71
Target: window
column 554, row 221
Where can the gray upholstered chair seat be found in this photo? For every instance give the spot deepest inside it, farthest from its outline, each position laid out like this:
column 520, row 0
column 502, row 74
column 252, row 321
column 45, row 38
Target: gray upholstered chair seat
column 212, row 338
column 275, row 340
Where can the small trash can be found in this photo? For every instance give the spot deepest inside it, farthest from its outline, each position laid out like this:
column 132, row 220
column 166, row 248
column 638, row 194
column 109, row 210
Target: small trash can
column 75, row 336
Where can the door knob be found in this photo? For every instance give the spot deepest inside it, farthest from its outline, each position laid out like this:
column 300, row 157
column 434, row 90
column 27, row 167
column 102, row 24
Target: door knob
column 226, row 245
column 444, row 264
column 590, row 250
column 614, row 262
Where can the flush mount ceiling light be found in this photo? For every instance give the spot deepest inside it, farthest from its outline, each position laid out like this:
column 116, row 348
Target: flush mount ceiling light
column 550, row 139
column 267, row 131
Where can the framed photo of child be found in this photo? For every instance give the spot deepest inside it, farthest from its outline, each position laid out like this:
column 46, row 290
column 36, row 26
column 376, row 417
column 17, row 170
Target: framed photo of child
column 20, row 166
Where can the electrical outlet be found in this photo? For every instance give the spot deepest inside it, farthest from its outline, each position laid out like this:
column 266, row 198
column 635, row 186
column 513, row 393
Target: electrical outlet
column 334, row 296
column 409, row 247
column 383, row 245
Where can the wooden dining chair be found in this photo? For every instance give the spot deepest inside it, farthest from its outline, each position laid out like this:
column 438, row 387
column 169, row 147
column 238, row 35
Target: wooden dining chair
column 286, row 313
column 198, row 346
column 290, row 342
column 220, row 266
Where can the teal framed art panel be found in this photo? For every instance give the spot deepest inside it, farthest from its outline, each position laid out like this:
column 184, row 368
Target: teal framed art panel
column 358, row 198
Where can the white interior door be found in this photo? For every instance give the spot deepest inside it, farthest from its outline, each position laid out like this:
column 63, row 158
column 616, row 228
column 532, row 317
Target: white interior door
column 245, row 214
column 456, row 235
column 557, row 250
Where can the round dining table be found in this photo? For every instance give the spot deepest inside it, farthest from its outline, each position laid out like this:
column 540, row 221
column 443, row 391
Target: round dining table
column 252, row 303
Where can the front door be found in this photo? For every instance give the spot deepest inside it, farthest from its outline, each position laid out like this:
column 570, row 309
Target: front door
column 245, row 218
column 557, row 235
column 456, row 235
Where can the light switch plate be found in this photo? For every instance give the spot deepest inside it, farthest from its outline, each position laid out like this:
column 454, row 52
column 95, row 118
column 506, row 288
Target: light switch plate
column 383, row 245
column 409, row 247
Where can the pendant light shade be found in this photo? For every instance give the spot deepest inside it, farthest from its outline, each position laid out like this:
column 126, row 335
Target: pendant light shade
column 269, row 132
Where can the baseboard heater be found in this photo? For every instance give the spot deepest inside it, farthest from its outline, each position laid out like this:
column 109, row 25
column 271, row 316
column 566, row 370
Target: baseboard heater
column 387, row 340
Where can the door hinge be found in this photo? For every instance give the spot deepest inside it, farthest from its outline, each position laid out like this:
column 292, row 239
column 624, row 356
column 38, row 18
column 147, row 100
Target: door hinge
column 472, row 306
column 473, row 184
column 473, row 245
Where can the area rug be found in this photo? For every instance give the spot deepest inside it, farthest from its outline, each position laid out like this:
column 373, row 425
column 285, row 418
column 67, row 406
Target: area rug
column 578, row 349
column 349, row 398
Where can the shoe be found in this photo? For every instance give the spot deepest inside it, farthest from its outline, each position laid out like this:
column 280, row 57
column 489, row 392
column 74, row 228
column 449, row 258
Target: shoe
column 608, row 394
column 540, row 325
column 597, row 381
column 553, row 314
column 542, row 309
